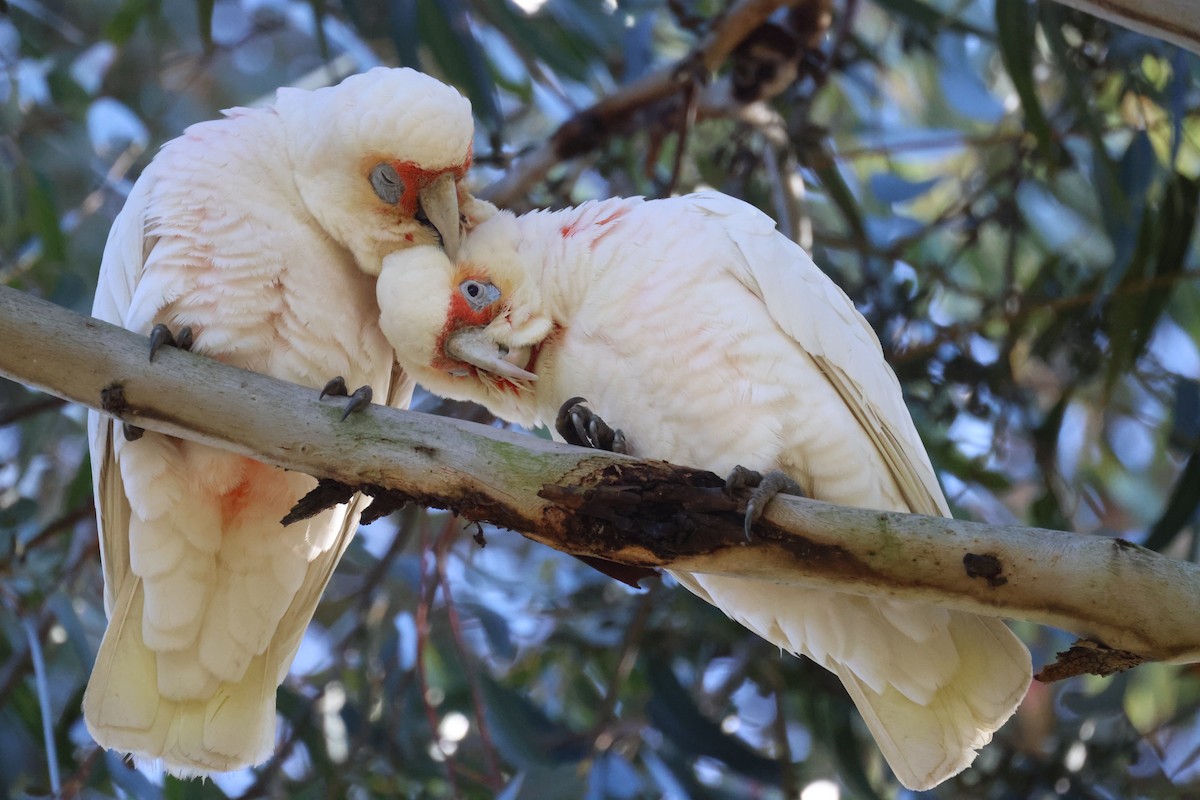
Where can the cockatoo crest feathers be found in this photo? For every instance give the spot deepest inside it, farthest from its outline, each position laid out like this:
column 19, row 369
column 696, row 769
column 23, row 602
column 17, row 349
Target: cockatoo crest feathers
column 385, row 111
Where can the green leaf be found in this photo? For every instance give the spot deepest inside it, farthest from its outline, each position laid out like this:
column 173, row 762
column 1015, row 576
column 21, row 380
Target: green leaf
column 1181, row 507
column 1116, row 189
column 204, row 15
column 1185, row 421
column 540, row 37
column 125, row 21
column 443, row 29
column 64, row 611
column 44, row 218
column 1015, row 28
column 832, row 719
column 930, row 18
column 839, row 192
column 319, row 13
column 495, row 629
column 525, row 735
column 1161, row 252
column 673, row 710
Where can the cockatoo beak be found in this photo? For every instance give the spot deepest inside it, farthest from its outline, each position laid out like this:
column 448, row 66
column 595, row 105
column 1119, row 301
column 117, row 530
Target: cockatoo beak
column 473, row 346
column 439, row 200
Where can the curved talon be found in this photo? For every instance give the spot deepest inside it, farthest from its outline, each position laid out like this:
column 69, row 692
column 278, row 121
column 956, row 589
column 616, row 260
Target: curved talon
column 360, row 399
column 132, row 432
column 568, row 432
column 764, row 488
column 336, row 387
column 579, row 425
column 160, row 335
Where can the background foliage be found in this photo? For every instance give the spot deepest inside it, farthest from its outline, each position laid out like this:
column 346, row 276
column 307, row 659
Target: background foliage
column 1008, row 190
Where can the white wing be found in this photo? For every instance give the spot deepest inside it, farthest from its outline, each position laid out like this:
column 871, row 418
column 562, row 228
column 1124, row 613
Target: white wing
column 208, row 596
column 932, row 684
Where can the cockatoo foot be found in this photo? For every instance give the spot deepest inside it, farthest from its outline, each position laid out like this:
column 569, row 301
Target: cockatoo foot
column 582, row 427
column 765, row 487
column 360, row 399
column 160, row 336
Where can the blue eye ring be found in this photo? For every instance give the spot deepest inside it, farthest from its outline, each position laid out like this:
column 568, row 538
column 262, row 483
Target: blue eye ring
column 478, row 294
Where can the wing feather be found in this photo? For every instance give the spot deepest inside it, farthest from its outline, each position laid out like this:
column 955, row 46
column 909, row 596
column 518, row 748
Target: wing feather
column 838, row 339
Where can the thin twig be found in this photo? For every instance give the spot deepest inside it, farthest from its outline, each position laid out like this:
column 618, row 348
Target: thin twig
column 587, row 129
column 687, row 119
column 73, row 786
column 81, row 512
column 495, row 779
column 14, row 668
column 43, row 403
column 632, row 641
column 955, row 332
column 427, row 590
column 787, row 775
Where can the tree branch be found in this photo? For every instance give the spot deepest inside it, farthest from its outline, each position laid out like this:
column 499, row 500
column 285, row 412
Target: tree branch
column 1174, row 21
column 610, row 506
column 588, row 128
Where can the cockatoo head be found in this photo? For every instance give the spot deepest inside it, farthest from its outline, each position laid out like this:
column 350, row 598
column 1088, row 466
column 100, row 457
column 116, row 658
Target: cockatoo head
column 378, row 161
column 471, row 328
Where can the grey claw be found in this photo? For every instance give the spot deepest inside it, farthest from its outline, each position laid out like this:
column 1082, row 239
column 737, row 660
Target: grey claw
column 579, row 425
column 764, row 487
column 581, row 429
column 132, row 432
column 569, row 424
column 335, row 388
column 160, row 336
column 741, row 478
column 358, row 401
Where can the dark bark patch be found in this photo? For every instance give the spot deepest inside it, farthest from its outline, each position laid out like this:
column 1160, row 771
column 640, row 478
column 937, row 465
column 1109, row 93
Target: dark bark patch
column 1088, row 658
column 985, row 566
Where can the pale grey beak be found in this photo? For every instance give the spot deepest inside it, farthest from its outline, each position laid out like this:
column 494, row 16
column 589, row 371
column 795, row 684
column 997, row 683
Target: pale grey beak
column 473, row 346
column 439, row 200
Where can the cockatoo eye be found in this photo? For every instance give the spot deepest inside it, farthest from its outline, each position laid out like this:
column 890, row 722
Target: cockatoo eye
column 478, row 294
column 386, row 183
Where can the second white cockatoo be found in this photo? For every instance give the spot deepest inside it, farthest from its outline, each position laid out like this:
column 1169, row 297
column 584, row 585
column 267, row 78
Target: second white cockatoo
column 262, row 232
column 713, row 341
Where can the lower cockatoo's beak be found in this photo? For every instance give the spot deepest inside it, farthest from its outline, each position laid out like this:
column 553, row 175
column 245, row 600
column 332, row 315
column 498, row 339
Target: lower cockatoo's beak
column 473, row 346
column 439, row 201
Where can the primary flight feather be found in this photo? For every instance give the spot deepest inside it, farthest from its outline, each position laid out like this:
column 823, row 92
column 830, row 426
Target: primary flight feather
column 263, row 232
column 714, row 341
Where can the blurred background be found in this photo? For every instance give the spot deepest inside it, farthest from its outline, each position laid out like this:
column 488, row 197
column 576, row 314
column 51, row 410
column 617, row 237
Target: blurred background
column 1009, row 192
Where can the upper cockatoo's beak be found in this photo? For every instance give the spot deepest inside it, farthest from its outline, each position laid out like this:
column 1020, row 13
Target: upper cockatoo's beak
column 473, row 346
column 439, row 201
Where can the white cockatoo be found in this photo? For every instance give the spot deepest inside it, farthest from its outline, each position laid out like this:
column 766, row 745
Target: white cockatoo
column 712, row 340
column 263, row 232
